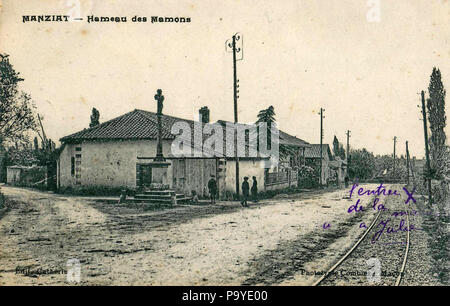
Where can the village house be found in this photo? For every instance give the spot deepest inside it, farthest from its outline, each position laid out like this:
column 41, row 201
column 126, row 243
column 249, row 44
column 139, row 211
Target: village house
column 339, row 170
column 120, row 152
column 312, row 159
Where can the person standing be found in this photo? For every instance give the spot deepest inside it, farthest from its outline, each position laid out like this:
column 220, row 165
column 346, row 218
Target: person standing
column 254, row 190
column 245, row 192
column 212, row 186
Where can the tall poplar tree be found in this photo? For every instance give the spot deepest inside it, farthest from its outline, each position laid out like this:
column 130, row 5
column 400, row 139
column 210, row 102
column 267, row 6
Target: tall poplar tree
column 436, row 117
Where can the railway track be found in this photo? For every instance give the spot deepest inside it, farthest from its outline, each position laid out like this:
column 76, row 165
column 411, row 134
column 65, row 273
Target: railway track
column 365, row 243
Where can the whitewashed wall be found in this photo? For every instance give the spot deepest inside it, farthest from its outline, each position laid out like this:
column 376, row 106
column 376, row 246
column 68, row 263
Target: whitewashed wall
column 110, row 163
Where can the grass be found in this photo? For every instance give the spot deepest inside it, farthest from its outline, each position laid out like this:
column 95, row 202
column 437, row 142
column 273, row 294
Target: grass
column 438, row 242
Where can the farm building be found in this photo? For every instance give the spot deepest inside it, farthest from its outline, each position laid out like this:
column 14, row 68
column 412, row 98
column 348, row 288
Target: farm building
column 312, row 157
column 339, row 170
column 120, row 152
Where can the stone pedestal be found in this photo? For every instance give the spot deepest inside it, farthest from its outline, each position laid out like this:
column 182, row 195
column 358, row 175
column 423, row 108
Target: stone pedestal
column 160, row 174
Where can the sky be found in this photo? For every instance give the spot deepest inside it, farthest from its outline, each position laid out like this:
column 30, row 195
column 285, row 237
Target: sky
column 299, row 56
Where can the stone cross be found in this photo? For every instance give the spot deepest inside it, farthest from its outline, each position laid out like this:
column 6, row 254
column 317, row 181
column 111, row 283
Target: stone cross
column 160, row 98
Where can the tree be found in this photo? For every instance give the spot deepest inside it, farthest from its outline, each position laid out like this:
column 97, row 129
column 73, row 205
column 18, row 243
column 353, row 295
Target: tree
column 342, row 153
column 21, row 154
column 16, row 109
column 268, row 116
column 36, row 144
column 384, row 167
column 436, row 117
column 95, row 117
column 362, row 164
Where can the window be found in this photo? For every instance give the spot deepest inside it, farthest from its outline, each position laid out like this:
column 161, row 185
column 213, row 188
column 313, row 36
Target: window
column 78, row 149
column 72, row 166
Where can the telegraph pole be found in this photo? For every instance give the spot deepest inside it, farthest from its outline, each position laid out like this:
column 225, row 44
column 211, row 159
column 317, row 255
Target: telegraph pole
column 407, row 164
column 348, row 148
column 321, row 141
column 427, row 153
column 395, row 141
column 236, row 50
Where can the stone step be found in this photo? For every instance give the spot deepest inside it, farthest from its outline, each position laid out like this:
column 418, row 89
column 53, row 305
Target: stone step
column 159, row 192
column 157, row 200
column 137, row 200
column 147, row 195
column 152, row 198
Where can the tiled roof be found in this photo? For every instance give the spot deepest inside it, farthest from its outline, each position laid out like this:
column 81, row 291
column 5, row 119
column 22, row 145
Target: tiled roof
column 287, row 139
column 137, row 124
column 314, row 151
column 140, row 124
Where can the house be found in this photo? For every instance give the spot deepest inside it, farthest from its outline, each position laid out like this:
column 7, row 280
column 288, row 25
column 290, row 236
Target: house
column 312, row 159
column 297, row 155
column 339, row 170
column 119, row 153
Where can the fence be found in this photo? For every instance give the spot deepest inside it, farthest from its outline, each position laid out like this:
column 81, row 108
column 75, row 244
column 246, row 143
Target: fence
column 281, row 179
column 27, row 176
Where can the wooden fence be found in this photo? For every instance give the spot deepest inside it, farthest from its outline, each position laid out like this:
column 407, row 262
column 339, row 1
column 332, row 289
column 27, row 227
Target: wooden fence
column 281, row 178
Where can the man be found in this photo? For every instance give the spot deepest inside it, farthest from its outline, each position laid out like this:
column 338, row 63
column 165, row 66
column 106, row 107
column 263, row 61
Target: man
column 212, row 186
column 245, row 192
column 254, row 190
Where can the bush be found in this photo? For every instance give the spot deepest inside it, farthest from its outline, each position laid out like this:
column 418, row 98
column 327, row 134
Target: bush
column 2, row 200
column 307, row 177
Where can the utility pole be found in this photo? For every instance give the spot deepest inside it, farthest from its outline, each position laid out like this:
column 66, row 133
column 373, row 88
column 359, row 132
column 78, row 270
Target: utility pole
column 407, row 164
column 321, row 141
column 235, row 46
column 395, row 141
column 348, row 148
column 427, row 153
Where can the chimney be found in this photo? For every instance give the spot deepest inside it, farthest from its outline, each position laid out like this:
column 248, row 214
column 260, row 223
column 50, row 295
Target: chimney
column 204, row 114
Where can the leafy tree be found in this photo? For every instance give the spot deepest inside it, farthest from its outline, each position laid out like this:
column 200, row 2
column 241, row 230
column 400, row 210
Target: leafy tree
column 21, row 154
column 342, row 153
column 307, row 177
column 36, row 144
column 16, row 109
column 384, row 167
column 95, row 117
column 361, row 164
column 436, row 117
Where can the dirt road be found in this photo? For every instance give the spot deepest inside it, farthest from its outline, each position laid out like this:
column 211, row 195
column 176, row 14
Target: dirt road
column 221, row 244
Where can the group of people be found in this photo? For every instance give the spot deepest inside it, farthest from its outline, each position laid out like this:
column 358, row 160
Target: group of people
column 246, row 190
